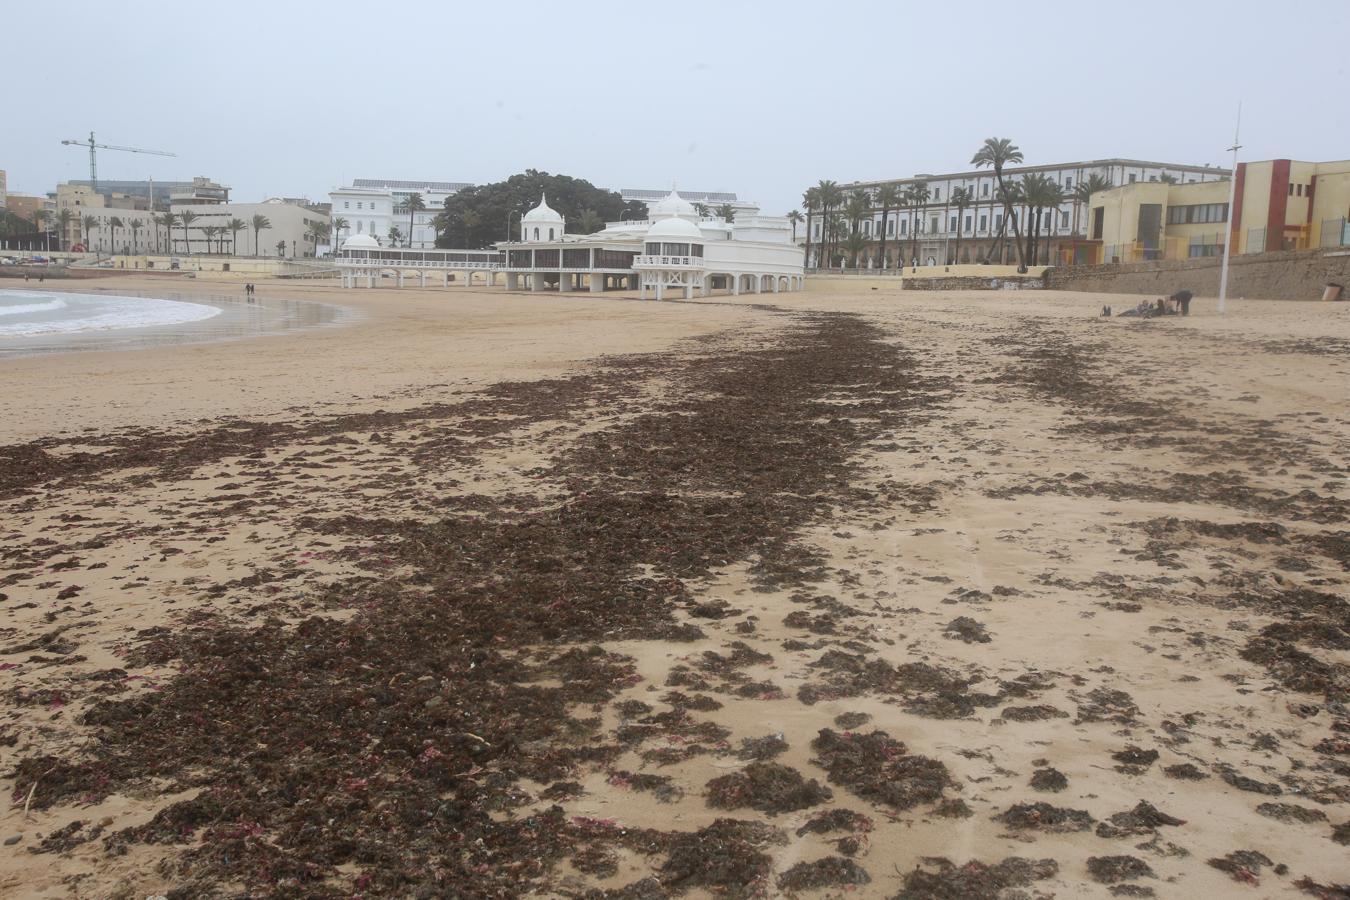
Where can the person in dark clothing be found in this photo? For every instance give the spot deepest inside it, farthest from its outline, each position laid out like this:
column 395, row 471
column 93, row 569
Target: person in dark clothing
column 1183, row 299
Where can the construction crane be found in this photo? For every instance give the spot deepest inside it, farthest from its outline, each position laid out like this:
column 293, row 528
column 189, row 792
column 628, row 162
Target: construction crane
column 93, row 157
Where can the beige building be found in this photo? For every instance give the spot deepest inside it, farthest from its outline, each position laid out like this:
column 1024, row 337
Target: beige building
column 289, row 225
column 1279, row 204
column 25, row 206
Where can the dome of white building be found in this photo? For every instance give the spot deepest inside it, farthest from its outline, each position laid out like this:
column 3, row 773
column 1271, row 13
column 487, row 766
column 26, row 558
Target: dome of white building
column 360, row 242
column 543, row 223
column 673, row 206
column 675, row 230
column 543, row 213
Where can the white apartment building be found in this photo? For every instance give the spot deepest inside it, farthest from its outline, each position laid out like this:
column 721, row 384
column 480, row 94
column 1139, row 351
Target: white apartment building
column 712, row 200
column 136, row 231
column 930, row 235
column 375, row 207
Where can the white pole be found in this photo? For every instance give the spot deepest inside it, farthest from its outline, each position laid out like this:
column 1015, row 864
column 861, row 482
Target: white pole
column 1228, row 232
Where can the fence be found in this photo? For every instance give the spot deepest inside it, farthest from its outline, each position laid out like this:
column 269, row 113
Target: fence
column 1335, row 232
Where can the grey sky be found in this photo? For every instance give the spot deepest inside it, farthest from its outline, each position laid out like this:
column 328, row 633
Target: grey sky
column 763, row 99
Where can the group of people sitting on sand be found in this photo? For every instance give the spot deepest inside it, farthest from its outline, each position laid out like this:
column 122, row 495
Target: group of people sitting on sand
column 1177, row 304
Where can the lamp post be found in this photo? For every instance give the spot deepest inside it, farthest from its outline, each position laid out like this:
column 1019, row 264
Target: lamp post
column 1228, row 232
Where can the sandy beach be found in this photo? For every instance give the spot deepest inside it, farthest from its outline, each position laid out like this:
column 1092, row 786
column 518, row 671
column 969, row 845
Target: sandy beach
column 850, row 591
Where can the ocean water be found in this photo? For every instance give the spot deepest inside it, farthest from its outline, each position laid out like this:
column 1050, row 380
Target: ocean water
column 54, row 321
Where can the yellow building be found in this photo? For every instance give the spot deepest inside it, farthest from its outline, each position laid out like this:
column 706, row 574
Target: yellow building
column 1279, row 204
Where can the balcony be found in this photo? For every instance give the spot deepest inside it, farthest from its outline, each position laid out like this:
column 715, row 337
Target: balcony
column 668, row 262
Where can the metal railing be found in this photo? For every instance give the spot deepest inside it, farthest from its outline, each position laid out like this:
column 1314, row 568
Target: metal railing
column 1335, row 233
column 352, row 262
column 670, row 262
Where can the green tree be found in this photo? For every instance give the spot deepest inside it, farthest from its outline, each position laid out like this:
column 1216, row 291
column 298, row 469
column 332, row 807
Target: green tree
column 997, row 153
column 340, row 225
column 281, row 248
column 259, row 223
column 135, row 225
column 186, row 219
column 114, row 223
column 492, row 203
column 414, row 204
column 702, row 210
column 962, row 198
column 811, row 200
column 854, row 244
column 210, row 232
column 64, row 218
column 317, row 232
column 590, row 221
column 1167, row 178
column 1083, row 191
column 234, row 226
column 394, row 235
column 830, row 196
column 170, row 221
column 89, row 223
column 916, row 198
column 888, row 197
column 794, row 218
column 726, row 212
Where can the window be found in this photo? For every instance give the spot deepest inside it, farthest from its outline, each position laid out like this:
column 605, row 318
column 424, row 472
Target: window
column 984, row 190
column 933, row 225
column 984, row 223
column 937, row 194
column 359, row 205
column 346, row 204
column 904, row 225
column 1068, row 182
column 998, row 220
column 890, row 226
column 360, row 227
column 653, row 248
column 1063, row 220
column 967, row 224
column 1291, row 189
column 1197, row 214
column 1132, row 179
column 550, row 234
column 536, row 234
column 1153, row 178
column 951, row 226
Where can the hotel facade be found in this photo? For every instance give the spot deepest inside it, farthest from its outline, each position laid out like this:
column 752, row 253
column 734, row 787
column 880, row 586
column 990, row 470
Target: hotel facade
column 931, row 234
column 375, row 207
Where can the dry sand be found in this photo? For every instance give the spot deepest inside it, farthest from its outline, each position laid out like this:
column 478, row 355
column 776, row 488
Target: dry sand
column 1042, row 541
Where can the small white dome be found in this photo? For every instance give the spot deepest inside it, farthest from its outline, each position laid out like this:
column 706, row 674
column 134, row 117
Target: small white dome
column 543, row 213
column 360, row 242
column 675, row 229
column 673, row 206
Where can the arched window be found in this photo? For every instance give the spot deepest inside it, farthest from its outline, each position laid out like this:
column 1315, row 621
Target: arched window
column 550, row 234
column 536, row 234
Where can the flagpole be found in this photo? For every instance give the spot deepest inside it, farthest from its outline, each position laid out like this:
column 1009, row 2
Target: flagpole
column 1232, row 198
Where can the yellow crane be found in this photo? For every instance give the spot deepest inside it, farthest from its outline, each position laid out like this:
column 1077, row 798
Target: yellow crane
column 93, row 156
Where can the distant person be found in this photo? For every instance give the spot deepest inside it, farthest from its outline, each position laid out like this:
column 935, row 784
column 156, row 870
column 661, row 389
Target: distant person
column 1183, row 299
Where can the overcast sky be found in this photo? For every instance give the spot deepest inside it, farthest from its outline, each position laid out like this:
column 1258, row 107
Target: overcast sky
column 762, row 99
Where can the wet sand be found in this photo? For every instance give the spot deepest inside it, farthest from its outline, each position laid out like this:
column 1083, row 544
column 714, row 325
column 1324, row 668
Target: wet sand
column 928, row 595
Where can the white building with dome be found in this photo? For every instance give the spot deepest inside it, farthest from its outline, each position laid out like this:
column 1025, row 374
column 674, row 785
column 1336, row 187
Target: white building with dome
column 674, row 251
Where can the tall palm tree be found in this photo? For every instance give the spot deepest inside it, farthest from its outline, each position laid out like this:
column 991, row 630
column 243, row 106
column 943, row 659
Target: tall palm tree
column 856, row 207
column 89, row 223
column 114, row 223
column 962, row 198
column 414, row 204
column 64, row 218
column 888, row 197
column 234, row 226
column 998, row 152
column 210, row 231
column 916, row 198
column 811, row 200
column 317, row 232
column 135, row 225
column 339, row 225
column 1083, row 191
column 702, row 210
column 394, row 235
column 855, row 243
column 795, row 217
column 1035, row 194
column 259, row 223
column 185, row 219
column 830, row 196
column 170, row 220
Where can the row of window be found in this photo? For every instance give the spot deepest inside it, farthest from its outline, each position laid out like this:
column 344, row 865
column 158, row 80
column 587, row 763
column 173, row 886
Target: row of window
column 360, row 204
column 1197, row 214
column 660, row 249
column 1064, row 221
column 1300, row 188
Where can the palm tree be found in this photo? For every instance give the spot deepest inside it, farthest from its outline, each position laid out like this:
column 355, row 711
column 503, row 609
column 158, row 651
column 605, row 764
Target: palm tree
column 210, row 231
column 234, row 226
column 259, row 223
column 414, row 204
column 1167, row 178
column 316, row 232
column 830, row 195
column 702, row 210
column 135, row 225
column 726, row 212
column 916, row 198
column 590, row 221
column 394, row 235
column 962, row 197
column 89, row 223
column 998, row 152
column 810, row 199
column 855, row 243
column 1083, row 191
column 339, row 225
column 170, row 220
column 888, row 197
column 64, row 218
column 795, row 218
column 185, row 219
column 281, row 247
column 114, row 223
